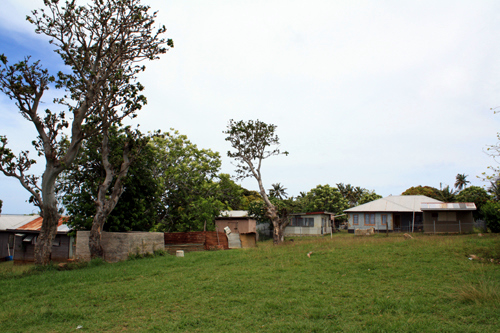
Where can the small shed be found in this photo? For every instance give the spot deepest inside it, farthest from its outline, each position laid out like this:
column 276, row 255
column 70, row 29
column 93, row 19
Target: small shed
column 245, row 226
column 448, row 217
column 26, row 237
column 9, row 222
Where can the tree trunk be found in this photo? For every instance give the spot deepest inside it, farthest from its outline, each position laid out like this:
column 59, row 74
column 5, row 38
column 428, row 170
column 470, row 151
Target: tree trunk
column 95, row 246
column 276, row 233
column 50, row 215
column 106, row 203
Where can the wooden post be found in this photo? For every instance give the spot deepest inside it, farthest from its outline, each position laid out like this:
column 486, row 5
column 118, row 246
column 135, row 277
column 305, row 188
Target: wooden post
column 434, row 226
column 413, row 223
column 459, row 227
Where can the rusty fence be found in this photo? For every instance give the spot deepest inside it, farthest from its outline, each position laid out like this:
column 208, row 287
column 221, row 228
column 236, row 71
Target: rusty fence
column 195, row 241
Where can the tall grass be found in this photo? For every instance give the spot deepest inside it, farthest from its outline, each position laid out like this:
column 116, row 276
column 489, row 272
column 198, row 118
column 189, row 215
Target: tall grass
column 349, row 284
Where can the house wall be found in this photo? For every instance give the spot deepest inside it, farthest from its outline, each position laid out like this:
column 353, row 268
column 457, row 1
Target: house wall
column 436, row 221
column 363, row 225
column 238, row 226
column 24, row 252
column 118, row 245
column 310, row 231
column 4, row 242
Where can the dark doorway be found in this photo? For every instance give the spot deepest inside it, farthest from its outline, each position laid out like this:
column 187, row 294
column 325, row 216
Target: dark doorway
column 397, row 223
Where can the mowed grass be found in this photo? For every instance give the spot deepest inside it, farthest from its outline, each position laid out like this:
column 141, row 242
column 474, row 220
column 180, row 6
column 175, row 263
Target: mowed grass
column 349, row 284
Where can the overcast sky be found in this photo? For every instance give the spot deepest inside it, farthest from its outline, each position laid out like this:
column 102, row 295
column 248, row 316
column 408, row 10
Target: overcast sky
column 379, row 94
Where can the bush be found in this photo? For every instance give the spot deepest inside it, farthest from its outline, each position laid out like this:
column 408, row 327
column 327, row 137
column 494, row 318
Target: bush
column 491, row 213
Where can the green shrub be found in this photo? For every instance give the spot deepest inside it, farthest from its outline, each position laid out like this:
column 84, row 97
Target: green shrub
column 491, row 213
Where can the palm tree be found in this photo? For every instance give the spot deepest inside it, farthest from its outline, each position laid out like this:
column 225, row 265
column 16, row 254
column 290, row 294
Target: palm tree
column 461, row 182
column 350, row 193
column 278, row 191
column 446, row 194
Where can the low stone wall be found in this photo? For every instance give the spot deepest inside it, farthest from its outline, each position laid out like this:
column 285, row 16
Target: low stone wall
column 118, row 245
column 364, row 232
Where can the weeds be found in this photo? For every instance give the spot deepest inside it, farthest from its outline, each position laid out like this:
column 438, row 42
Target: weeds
column 483, row 291
column 138, row 255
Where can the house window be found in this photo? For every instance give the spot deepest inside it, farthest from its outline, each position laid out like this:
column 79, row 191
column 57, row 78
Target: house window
column 447, row 216
column 384, row 219
column 369, row 219
column 355, row 219
column 298, row 221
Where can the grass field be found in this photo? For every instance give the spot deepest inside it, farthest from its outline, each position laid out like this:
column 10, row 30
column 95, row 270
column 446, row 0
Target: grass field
column 349, row 284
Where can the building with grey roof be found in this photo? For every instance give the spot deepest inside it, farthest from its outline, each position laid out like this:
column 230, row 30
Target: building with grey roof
column 409, row 213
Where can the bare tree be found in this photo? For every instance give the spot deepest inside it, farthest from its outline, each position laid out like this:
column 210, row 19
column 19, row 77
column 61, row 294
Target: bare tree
column 102, row 42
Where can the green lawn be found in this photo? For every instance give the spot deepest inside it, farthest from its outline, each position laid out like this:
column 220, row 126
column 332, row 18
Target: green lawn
column 349, row 284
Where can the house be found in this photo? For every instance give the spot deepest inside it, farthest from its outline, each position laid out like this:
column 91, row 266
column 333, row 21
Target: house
column 309, row 224
column 409, row 213
column 8, row 222
column 394, row 213
column 239, row 223
column 448, row 217
column 26, row 236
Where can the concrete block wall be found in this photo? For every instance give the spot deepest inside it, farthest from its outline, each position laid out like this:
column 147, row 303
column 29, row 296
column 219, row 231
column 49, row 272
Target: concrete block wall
column 118, row 245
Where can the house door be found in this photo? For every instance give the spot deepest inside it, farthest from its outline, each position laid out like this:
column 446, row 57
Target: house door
column 397, row 222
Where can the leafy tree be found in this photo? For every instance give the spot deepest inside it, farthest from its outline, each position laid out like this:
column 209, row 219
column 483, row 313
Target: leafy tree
column 491, row 214
column 188, row 179
column 248, row 198
column 102, row 43
column 461, row 181
column 368, row 196
column 79, row 186
column 278, row 191
column 252, row 142
column 258, row 209
column 350, row 193
column 494, row 189
column 172, row 186
column 324, row 198
column 428, row 191
column 229, row 193
column 475, row 194
column 446, row 194
column 357, row 195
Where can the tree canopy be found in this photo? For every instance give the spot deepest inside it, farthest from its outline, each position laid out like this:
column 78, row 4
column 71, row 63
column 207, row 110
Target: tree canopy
column 102, row 44
column 461, row 181
column 253, row 142
column 428, row 191
column 324, row 198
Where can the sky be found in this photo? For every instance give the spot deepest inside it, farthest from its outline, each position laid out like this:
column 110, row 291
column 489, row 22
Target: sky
column 379, row 94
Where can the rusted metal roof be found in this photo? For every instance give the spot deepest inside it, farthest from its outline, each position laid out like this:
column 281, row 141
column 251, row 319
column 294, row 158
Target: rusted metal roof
column 36, row 225
column 428, row 206
column 14, row 221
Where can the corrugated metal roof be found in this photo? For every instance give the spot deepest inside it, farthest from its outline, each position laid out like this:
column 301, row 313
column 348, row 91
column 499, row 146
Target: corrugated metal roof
column 234, row 213
column 427, row 206
column 15, row 221
column 36, row 225
column 396, row 203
